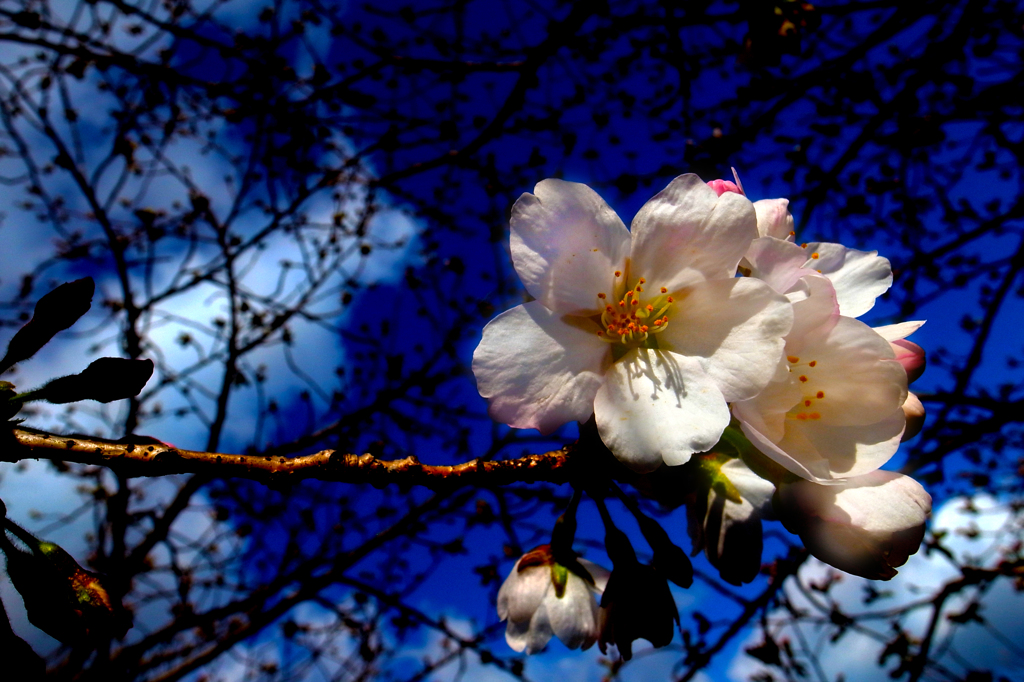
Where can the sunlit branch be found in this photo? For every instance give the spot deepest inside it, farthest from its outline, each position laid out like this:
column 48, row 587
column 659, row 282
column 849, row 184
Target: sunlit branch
column 155, row 459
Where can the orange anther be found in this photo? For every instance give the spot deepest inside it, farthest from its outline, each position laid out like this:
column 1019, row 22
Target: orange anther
column 664, row 290
column 669, row 299
column 803, row 378
column 618, row 273
column 814, row 415
column 815, row 256
column 792, row 358
column 812, row 363
column 601, row 296
column 807, row 403
column 820, row 394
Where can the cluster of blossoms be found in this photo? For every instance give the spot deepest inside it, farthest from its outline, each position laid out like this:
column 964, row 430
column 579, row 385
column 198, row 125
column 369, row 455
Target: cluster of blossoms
column 705, row 332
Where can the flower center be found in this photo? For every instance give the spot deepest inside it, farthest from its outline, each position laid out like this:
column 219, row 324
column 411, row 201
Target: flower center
column 632, row 316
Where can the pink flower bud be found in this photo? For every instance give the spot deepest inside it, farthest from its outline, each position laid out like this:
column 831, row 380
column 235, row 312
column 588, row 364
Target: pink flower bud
column 911, row 356
column 723, row 186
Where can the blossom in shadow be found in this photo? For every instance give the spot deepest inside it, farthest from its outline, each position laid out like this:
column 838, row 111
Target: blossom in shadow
column 542, row 598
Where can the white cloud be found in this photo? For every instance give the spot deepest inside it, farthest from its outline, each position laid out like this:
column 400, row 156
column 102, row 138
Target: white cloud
column 975, row 538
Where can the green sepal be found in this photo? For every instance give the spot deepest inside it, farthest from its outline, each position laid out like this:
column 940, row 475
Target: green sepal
column 710, row 467
column 559, row 578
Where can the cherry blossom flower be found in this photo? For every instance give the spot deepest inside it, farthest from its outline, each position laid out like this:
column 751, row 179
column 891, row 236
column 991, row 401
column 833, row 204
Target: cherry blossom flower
column 835, row 409
column 541, row 598
column 650, row 330
column 867, row 526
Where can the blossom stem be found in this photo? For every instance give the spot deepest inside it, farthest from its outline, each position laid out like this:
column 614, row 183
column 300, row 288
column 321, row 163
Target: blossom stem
column 668, row 557
column 619, row 549
column 564, row 532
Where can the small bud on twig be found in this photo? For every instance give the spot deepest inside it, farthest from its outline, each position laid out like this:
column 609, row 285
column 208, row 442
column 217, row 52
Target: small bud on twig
column 54, row 312
column 105, row 380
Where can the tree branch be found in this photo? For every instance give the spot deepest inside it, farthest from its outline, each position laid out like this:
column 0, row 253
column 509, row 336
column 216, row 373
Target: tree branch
column 146, row 457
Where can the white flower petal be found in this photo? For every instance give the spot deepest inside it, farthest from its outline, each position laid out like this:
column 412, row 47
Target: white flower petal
column 598, row 573
column 774, row 218
column 522, row 592
column 778, row 263
column 898, row 331
column 858, row 276
column 814, row 310
column 687, row 234
column 766, row 412
column 517, row 634
column 537, row 371
column 566, row 245
column 657, row 406
column 753, row 489
column 857, row 373
column 823, row 452
column 735, row 328
column 540, row 632
column 573, row 616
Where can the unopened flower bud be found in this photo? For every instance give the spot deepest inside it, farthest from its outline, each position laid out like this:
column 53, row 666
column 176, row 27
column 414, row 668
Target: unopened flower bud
column 911, row 356
column 8, row 407
column 54, row 312
column 774, row 219
column 914, row 411
column 867, row 525
column 726, row 522
column 723, row 186
column 62, row 599
column 104, row 380
column 637, row 604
